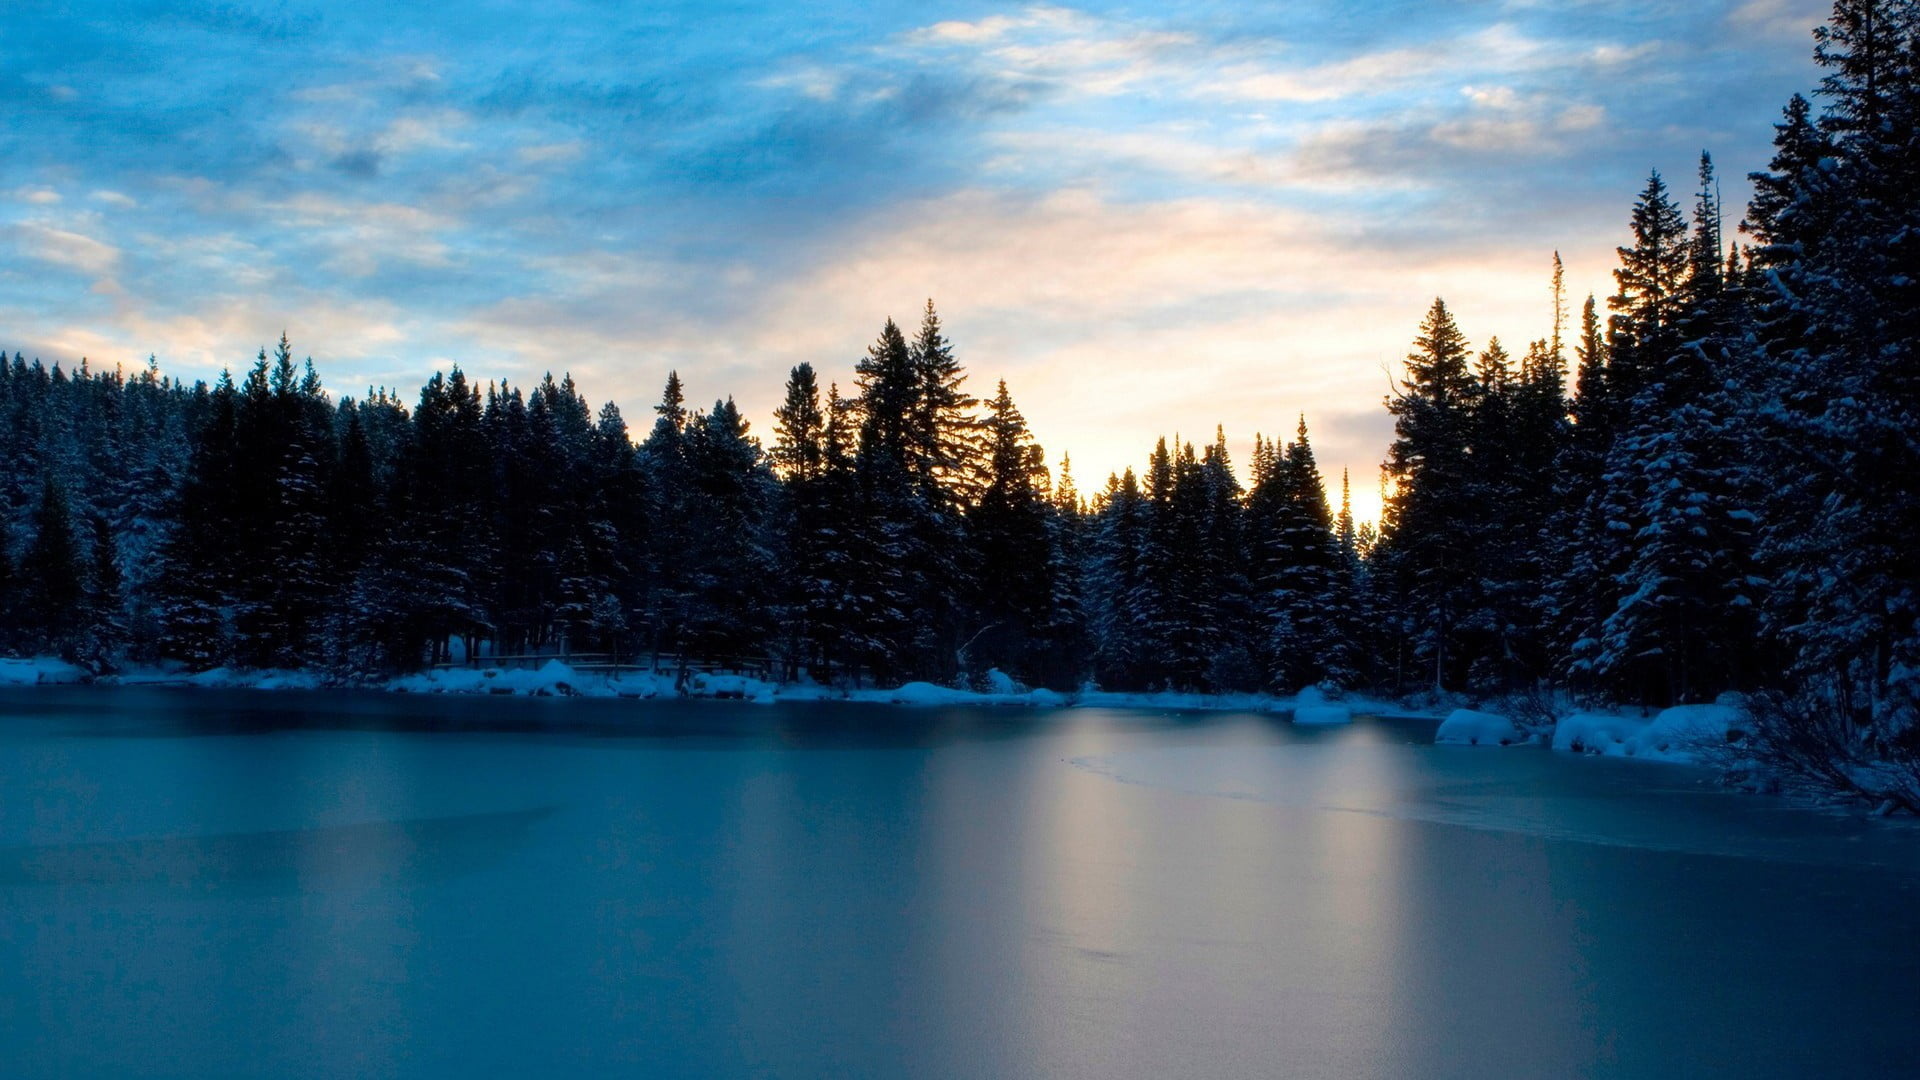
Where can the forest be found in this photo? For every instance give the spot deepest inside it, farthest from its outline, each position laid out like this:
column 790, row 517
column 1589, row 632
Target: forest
column 1705, row 482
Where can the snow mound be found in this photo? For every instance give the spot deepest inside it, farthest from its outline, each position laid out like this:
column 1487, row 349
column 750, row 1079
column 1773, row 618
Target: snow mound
column 1465, row 727
column 41, row 671
column 1598, row 733
column 1684, row 732
column 1312, row 707
column 926, row 693
column 730, row 687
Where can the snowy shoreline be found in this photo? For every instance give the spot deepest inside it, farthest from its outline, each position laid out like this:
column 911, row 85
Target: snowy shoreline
column 1679, row 735
column 557, row 679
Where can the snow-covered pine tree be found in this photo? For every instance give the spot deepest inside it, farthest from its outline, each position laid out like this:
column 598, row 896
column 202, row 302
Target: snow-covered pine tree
column 1294, row 564
column 1841, row 239
column 1064, row 659
column 1124, row 595
column 1682, row 627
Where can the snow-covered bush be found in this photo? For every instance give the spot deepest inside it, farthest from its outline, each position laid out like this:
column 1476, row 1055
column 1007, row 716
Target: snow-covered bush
column 1465, row 727
column 1597, row 733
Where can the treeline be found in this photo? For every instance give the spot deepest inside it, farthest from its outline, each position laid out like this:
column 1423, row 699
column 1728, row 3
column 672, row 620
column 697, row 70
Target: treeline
column 1731, row 495
column 1723, row 498
column 905, row 531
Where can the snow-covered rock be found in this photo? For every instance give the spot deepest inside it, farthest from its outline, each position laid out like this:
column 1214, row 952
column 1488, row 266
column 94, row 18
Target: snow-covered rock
column 1681, row 734
column 1465, row 727
column 1312, row 707
column 1598, row 733
column 1684, row 732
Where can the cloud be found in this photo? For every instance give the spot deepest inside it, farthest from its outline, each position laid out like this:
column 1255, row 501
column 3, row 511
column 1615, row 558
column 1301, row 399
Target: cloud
column 1792, row 19
column 61, row 247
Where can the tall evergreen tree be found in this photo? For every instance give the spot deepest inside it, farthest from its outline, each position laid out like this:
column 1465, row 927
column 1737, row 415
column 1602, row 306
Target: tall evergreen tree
column 1009, row 531
column 1430, row 514
column 54, row 576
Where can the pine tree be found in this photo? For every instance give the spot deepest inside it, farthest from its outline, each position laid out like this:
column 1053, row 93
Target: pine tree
column 730, row 612
column 1066, row 630
column 1838, row 350
column 1009, row 532
column 1430, row 514
column 907, row 626
column 444, row 540
column 1294, row 563
column 54, row 577
column 1682, row 626
column 1124, row 618
column 197, row 586
column 1652, row 279
column 10, row 585
column 800, row 455
column 105, row 630
column 800, row 428
column 663, row 458
column 945, row 444
column 1343, row 653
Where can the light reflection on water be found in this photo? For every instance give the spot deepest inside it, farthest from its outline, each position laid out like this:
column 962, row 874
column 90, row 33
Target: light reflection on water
column 324, row 885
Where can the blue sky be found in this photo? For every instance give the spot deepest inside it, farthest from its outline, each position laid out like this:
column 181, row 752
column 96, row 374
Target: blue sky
column 1147, row 219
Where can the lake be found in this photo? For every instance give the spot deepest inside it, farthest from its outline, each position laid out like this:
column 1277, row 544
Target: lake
column 280, row 884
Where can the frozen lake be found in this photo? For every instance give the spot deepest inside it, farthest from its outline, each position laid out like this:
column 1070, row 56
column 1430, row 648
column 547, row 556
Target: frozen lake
column 205, row 883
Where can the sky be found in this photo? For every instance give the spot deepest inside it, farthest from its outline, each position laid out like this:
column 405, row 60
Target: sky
column 1147, row 219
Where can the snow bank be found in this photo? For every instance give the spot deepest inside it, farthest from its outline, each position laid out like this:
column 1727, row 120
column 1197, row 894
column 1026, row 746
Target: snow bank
column 231, row 678
column 551, row 679
column 1312, row 707
column 730, row 687
column 556, row 678
column 41, row 671
column 1465, row 727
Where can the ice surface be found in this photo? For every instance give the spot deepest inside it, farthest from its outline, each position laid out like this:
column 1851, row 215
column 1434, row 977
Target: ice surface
column 703, row 890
